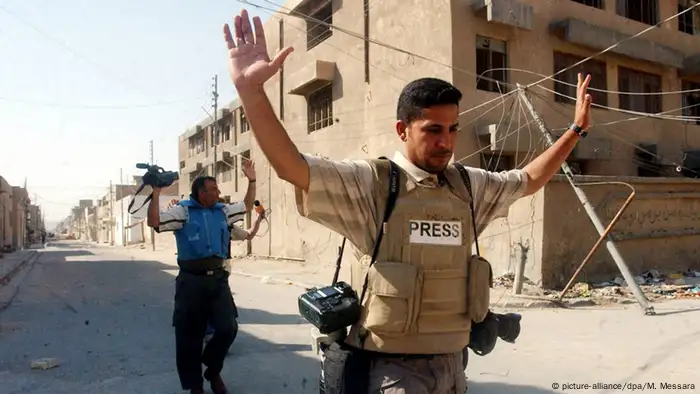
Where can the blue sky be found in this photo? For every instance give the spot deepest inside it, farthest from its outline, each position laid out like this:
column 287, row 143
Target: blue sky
column 60, row 56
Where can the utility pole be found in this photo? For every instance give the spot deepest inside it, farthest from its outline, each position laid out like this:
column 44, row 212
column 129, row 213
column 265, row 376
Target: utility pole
column 121, row 201
column 111, row 215
column 629, row 278
column 215, row 106
column 153, row 233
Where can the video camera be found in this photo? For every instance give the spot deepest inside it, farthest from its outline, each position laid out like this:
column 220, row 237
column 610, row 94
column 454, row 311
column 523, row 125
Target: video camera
column 156, row 176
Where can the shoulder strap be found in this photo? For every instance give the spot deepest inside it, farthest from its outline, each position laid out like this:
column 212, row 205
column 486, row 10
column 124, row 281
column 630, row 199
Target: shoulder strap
column 465, row 176
column 394, row 174
column 133, row 199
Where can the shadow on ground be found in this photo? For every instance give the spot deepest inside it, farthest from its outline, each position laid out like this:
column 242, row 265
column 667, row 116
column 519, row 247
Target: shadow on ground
column 108, row 322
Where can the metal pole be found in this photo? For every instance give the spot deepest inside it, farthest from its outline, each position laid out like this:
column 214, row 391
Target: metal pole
column 215, row 105
column 638, row 294
column 153, row 233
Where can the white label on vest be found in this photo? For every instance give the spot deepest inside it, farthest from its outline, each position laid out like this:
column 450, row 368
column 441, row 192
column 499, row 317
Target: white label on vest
column 435, row 232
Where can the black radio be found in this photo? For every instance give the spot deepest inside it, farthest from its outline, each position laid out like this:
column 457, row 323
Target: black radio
column 330, row 308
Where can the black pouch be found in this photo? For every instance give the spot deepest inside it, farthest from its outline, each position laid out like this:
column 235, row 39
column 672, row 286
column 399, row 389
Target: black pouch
column 341, row 361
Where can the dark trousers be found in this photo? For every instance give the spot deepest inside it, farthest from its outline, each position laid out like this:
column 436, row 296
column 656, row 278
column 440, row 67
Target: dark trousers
column 200, row 299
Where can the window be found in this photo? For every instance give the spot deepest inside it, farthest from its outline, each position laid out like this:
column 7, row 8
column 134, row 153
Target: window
column 316, row 32
column 491, row 54
column 182, row 164
column 592, row 3
column 320, row 109
column 691, row 101
column 197, row 144
column 634, row 81
column 244, row 123
column 645, row 11
column 226, row 131
column 688, row 22
column 223, row 173
column 596, row 68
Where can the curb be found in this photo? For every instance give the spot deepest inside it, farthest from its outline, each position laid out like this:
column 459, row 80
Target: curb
column 4, row 280
column 270, row 279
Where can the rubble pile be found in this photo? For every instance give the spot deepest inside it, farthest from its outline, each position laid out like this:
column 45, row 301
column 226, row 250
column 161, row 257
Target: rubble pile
column 655, row 285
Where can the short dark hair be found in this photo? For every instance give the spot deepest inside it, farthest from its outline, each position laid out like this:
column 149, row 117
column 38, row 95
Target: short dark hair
column 198, row 185
column 424, row 93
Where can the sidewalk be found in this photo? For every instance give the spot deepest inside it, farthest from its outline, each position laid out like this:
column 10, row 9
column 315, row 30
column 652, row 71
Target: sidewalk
column 305, row 275
column 12, row 263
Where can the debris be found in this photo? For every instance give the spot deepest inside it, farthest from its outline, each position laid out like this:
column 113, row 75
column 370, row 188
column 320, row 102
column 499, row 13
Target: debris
column 578, row 290
column 266, row 280
column 44, row 363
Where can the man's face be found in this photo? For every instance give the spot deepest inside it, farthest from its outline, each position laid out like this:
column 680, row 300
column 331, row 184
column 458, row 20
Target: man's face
column 430, row 140
column 210, row 194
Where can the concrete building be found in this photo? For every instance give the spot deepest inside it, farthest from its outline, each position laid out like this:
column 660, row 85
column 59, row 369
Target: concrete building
column 337, row 93
column 20, row 202
column 5, row 215
column 35, row 224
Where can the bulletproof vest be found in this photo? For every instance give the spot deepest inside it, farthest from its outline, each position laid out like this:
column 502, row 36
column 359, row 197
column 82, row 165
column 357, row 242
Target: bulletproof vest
column 425, row 279
column 204, row 233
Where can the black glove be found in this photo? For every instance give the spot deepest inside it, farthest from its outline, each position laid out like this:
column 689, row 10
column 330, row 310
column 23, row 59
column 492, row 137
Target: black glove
column 508, row 326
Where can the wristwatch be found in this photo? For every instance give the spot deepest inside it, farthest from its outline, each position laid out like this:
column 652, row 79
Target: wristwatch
column 578, row 130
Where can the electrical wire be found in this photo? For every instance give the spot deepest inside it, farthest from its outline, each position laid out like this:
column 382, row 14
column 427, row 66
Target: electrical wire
column 623, row 140
column 611, row 47
column 99, row 107
column 625, row 111
column 296, row 14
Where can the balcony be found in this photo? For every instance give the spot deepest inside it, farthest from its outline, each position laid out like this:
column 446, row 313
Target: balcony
column 582, row 33
column 505, row 12
column 313, row 77
column 500, row 140
column 192, row 166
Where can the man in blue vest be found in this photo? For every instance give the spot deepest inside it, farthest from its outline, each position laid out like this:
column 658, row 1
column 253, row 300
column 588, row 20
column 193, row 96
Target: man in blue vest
column 203, row 229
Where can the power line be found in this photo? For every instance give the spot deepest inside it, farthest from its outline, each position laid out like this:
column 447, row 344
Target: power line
column 611, row 47
column 98, row 107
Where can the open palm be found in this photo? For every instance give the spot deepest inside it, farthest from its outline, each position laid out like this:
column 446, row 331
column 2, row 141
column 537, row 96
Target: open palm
column 249, row 64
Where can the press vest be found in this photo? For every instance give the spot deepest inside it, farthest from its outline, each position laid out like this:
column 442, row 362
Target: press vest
column 204, row 233
column 426, row 287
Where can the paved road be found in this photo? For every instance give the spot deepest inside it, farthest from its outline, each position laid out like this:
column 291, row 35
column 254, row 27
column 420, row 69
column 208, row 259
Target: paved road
column 106, row 316
column 107, row 319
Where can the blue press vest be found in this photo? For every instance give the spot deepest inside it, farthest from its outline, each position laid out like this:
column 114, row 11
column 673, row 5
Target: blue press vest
column 204, row 233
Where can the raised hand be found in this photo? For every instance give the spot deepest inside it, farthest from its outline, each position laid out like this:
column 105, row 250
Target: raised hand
column 249, row 64
column 249, row 169
column 582, row 116
column 172, row 203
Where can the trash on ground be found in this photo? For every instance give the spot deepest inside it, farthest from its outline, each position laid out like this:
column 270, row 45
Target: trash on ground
column 44, row 363
column 653, row 283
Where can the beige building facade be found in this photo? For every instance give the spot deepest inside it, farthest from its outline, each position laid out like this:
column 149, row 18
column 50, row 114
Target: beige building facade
column 337, row 94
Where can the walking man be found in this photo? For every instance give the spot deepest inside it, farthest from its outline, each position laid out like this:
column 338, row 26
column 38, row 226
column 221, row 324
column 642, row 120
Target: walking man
column 203, row 229
column 425, row 288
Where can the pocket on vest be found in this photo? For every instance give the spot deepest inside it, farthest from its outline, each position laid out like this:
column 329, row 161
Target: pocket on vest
column 479, row 291
column 444, row 302
column 390, row 302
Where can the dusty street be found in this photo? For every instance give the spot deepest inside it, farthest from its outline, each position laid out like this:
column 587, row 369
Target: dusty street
column 105, row 314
